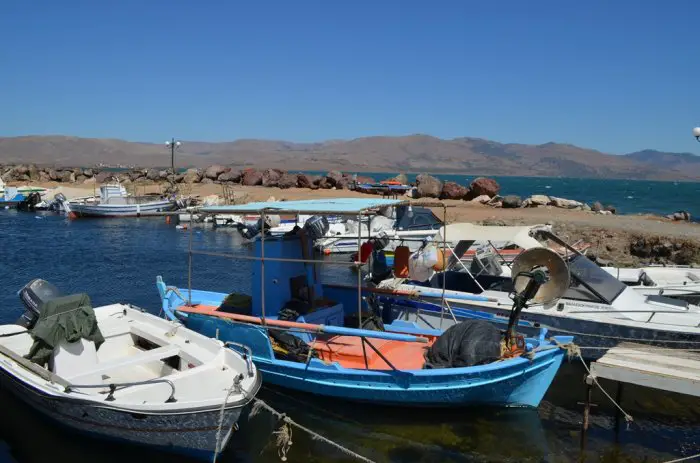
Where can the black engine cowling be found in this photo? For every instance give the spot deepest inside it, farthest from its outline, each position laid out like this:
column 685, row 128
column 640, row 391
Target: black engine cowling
column 33, row 295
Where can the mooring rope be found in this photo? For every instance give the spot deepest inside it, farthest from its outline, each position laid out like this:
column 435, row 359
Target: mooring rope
column 284, row 434
column 235, row 387
column 692, row 457
column 628, row 417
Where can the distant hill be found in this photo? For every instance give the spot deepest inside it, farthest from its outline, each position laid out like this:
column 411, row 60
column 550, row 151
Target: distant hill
column 414, row 153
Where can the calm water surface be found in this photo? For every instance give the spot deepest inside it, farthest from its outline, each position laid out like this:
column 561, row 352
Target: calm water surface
column 118, row 260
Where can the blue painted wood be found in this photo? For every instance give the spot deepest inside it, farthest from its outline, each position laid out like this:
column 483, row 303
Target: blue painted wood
column 513, row 382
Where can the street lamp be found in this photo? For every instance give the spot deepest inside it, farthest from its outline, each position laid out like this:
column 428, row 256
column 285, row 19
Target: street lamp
column 173, row 145
column 696, row 133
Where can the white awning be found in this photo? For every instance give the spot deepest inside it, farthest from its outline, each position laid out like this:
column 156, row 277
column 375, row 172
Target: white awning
column 519, row 235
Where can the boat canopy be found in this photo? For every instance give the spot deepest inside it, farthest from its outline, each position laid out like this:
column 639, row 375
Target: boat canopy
column 468, row 232
column 347, row 206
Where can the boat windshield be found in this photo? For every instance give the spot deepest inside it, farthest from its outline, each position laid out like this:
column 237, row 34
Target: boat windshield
column 419, row 218
column 589, row 282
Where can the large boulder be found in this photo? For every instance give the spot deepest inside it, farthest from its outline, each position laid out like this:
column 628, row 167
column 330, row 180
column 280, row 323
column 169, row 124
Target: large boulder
column 511, row 202
column 192, row 176
column 67, row 176
column 483, row 199
column 452, row 190
column 288, row 180
column 326, row 183
column 610, row 208
column 163, row 174
column 231, row 176
column 596, row 207
column 80, row 178
column 251, row 177
column 334, row 177
column 33, row 172
column 343, row 183
column 103, row 177
column 21, row 170
column 538, row 200
column 680, row 215
column 565, row 203
column 214, row 171
column 44, row 177
column 89, row 172
column 305, row 181
column 207, row 181
column 428, row 186
column 153, row 174
column 271, row 177
column 483, row 186
column 54, row 174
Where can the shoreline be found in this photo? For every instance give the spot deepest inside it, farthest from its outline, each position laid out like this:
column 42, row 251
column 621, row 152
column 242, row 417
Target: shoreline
column 622, row 240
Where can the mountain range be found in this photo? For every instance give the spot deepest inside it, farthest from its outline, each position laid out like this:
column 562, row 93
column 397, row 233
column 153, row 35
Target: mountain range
column 413, row 153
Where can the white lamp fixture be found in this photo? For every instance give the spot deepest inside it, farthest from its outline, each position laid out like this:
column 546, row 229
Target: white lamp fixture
column 696, row 133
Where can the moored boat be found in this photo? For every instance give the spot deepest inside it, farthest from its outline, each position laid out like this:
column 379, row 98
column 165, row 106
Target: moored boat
column 119, row 373
column 299, row 340
column 114, row 201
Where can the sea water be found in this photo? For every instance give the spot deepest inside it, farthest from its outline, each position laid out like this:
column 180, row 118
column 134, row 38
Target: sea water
column 628, row 196
column 117, row 260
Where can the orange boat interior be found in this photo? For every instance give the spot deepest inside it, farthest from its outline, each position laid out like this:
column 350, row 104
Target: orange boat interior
column 346, row 350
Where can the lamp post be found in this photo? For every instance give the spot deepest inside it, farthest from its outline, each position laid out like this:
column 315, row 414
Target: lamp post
column 696, row 133
column 173, row 145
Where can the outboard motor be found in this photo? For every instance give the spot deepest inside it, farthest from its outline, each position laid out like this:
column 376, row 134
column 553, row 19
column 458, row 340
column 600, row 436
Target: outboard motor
column 33, row 295
column 316, row 227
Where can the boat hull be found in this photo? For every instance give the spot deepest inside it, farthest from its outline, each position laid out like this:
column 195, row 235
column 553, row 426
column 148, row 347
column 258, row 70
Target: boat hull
column 595, row 336
column 516, row 382
column 192, row 433
column 120, row 210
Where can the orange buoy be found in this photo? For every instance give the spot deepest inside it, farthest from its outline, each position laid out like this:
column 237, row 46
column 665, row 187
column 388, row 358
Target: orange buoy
column 401, row 257
column 326, row 252
column 167, row 219
column 72, row 215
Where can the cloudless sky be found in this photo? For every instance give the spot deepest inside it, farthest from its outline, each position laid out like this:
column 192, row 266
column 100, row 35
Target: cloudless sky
column 614, row 75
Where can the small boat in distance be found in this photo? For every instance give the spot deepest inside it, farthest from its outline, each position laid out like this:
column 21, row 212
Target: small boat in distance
column 114, row 201
column 119, row 373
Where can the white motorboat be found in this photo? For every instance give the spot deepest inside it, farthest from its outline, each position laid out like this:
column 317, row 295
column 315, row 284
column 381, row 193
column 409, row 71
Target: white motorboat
column 114, row 201
column 598, row 309
column 680, row 282
column 117, row 372
column 408, row 225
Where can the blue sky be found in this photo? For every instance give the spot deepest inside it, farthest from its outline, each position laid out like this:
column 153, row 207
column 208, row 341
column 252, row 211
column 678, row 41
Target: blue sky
column 615, row 75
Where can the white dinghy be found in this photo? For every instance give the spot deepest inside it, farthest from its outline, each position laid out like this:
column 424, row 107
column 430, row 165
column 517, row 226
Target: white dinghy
column 129, row 375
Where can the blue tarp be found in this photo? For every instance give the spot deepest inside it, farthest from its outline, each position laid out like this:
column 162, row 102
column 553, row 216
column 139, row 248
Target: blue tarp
column 335, row 205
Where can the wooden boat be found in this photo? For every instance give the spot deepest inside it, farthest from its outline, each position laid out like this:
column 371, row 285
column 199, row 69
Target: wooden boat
column 114, row 201
column 322, row 356
column 127, row 375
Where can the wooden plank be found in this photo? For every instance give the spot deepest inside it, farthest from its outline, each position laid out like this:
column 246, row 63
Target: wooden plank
column 672, row 370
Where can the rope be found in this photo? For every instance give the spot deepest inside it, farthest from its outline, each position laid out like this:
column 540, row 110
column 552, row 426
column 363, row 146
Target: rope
column 235, row 387
column 284, row 434
column 628, row 417
column 692, row 457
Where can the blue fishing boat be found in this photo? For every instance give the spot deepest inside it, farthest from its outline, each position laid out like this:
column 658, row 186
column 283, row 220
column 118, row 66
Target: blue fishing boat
column 295, row 329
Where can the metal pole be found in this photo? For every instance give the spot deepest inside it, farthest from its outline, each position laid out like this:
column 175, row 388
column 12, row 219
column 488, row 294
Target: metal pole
column 262, row 268
column 172, row 154
column 359, row 269
column 189, row 266
column 444, row 241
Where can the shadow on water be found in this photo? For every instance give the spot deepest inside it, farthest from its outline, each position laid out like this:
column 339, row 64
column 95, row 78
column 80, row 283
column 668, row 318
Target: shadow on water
column 118, row 260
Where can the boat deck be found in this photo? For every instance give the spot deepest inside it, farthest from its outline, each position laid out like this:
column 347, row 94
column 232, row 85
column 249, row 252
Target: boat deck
column 673, row 370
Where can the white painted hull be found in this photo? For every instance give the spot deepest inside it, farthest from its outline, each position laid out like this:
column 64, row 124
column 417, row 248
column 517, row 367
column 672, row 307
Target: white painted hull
column 121, row 210
column 186, row 432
